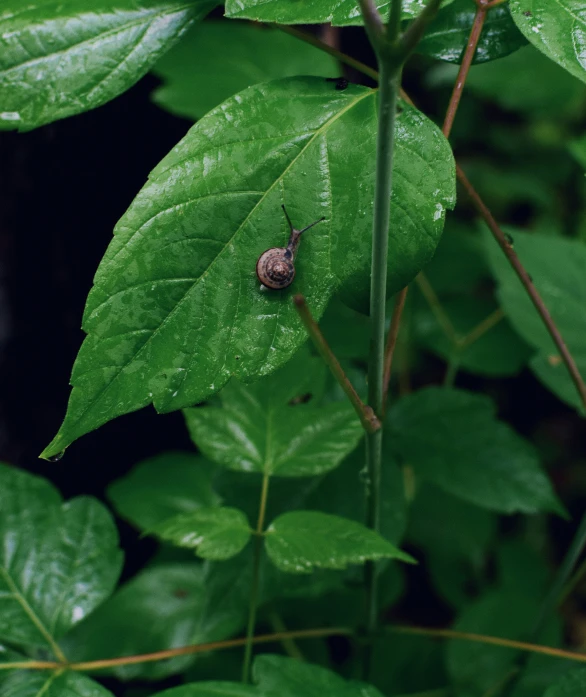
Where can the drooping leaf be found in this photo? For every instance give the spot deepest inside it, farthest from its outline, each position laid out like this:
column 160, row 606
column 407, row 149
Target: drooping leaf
column 558, row 269
column 257, row 430
column 573, row 684
column 214, row 60
column 45, row 684
column 447, row 36
column 300, row 541
column 59, row 59
column 214, row 533
column 171, row 328
column 164, row 486
column 452, row 439
column 557, row 28
column 164, row 607
column 58, row 561
column 337, row 12
column 499, row 351
column 289, row 677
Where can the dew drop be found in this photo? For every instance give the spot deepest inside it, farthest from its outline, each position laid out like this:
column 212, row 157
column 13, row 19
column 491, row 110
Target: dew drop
column 57, row 457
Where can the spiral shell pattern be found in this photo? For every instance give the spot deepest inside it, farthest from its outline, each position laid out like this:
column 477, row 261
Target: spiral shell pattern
column 275, row 269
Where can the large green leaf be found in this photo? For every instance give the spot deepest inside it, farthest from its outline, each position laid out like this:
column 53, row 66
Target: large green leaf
column 452, row 438
column 557, row 28
column 164, row 607
column 573, row 684
column 44, row 684
column 176, row 308
column 558, row 269
column 164, row 486
column 58, row 561
column 337, row 12
column 300, row 541
column 257, row 430
column 447, row 36
column 63, row 58
column 214, row 60
column 214, row 533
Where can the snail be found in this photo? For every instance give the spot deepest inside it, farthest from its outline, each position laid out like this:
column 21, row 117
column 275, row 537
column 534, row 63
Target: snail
column 275, row 268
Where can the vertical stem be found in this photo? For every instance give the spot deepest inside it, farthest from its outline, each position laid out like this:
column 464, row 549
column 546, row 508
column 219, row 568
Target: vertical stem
column 258, row 542
column 388, row 92
column 392, row 341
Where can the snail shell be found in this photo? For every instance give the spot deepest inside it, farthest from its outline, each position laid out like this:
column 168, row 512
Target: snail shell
column 275, row 269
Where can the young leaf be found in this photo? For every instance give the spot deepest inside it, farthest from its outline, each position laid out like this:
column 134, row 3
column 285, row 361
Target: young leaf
column 59, row 59
column 573, row 684
column 300, row 541
column 214, row 533
column 58, row 561
column 558, row 269
column 256, row 430
column 164, row 607
column 164, row 486
column 171, row 327
column 448, row 34
column 451, row 438
column 214, row 60
column 45, row 684
column 557, row 28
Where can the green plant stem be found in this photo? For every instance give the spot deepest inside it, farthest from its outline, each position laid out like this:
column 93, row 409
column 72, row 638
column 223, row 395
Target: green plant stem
column 436, row 307
column 452, row 371
column 258, row 544
column 368, row 419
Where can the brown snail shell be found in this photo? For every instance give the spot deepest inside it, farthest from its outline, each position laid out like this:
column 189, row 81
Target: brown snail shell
column 275, row 268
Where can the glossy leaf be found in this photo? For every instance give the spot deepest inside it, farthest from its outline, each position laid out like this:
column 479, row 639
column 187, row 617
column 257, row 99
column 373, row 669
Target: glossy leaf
column 300, row 541
column 164, row 607
column 214, row 60
column 557, row 28
column 58, row 561
column 256, row 430
column 59, row 59
column 337, row 12
column 210, row 689
column 171, row 328
column 452, row 439
column 447, row 36
column 214, row 533
column 573, row 684
column 498, row 352
column 558, row 269
column 45, row 684
column 164, row 486
column 289, row 677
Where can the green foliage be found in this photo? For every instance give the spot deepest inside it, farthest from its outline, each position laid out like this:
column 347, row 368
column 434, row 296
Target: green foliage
column 32, row 684
column 571, row 685
column 60, row 59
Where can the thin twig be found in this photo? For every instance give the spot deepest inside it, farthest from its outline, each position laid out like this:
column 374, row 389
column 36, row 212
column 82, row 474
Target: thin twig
column 477, row 25
column 392, row 341
column 436, row 307
column 525, row 279
column 481, row 328
column 367, row 417
column 416, row 29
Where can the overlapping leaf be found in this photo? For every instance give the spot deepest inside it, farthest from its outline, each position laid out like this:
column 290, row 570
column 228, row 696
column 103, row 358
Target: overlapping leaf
column 300, row 541
column 59, row 59
column 45, row 684
column 558, row 269
column 176, row 308
column 452, row 438
column 557, row 28
column 58, row 561
column 214, row 60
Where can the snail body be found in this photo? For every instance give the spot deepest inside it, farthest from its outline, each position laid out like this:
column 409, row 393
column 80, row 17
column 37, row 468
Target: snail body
column 275, row 268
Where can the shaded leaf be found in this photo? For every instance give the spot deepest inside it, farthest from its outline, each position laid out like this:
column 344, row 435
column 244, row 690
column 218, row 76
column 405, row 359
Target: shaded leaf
column 573, row 684
column 210, row 689
column 214, row 60
column 447, row 36
column 164, row 607
column 299, row 541
column 45, row 684
column 452, row 438
column 214, row 533
column 557, row 28
column 59, row 561
column 558, row 269
column 163, row 486
column 171, row 328
column 59, row 59
column 257, row 430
